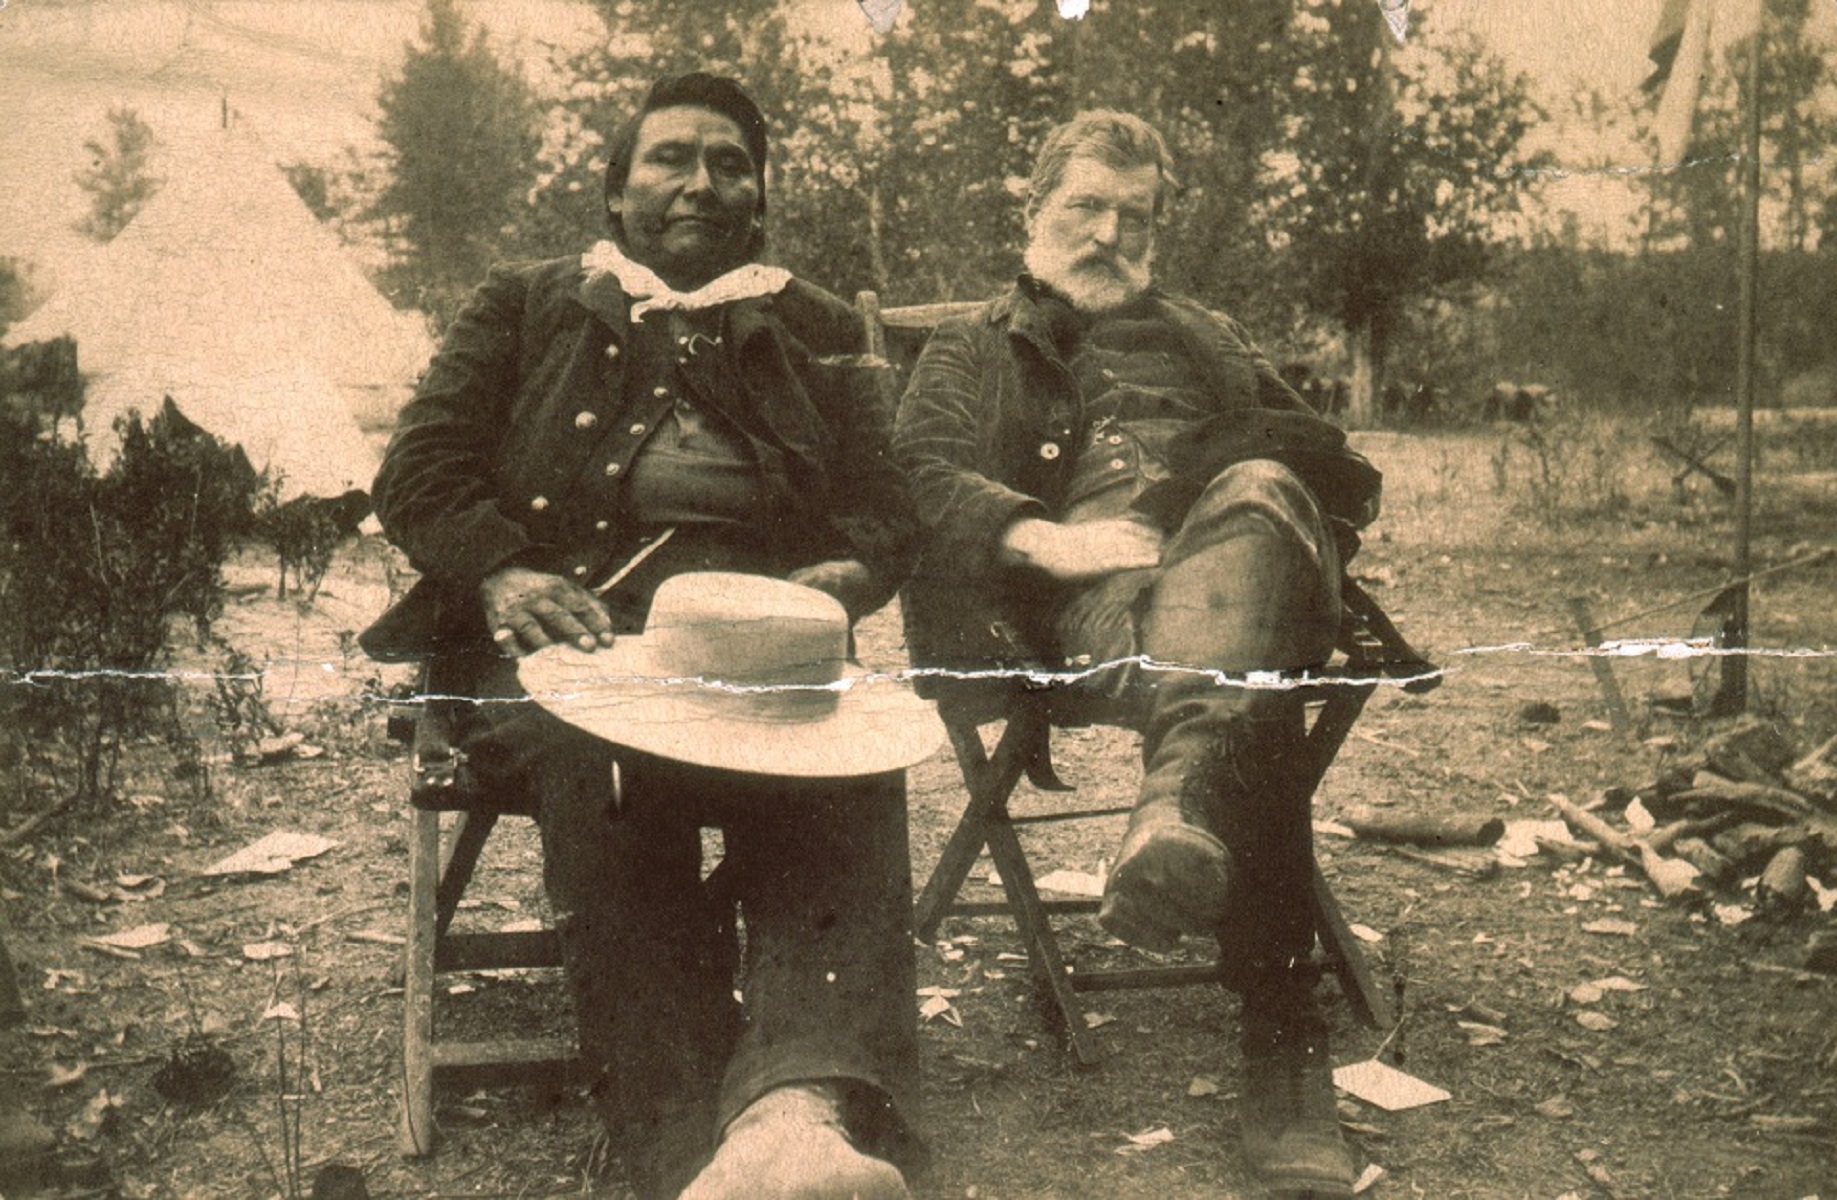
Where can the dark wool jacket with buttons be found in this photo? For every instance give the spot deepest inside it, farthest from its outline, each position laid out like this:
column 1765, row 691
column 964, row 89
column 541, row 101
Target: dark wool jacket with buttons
column 988, row 432
column 517, row 438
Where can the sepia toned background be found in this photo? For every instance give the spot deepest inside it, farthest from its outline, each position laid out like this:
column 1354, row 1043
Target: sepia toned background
column 1469, row 246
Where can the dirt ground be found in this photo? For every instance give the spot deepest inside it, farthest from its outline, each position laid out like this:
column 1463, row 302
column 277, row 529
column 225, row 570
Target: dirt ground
column 1711, row 1071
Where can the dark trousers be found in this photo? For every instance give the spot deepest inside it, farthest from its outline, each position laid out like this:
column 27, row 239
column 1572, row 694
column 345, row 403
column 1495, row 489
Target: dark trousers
column 1248, row 583
column 695, row 996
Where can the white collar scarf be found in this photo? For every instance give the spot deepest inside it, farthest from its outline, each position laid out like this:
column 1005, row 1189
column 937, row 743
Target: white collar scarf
column 654, row 295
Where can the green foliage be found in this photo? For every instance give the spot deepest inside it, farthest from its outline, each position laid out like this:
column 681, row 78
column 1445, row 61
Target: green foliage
column 118, row 179
column 461, row 143
column 1401, row 169
column 1568, row 467
column 305, row 532
column 94, row 570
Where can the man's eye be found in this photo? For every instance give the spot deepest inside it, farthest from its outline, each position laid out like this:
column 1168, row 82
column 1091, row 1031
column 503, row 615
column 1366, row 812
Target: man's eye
column 1135, row 222
column 733, row 164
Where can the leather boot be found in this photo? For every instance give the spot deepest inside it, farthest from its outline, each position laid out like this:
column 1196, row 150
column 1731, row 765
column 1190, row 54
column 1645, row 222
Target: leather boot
column 791, row 1144
column 1173, row 871
column 1289, row 1113
column 1248, row 583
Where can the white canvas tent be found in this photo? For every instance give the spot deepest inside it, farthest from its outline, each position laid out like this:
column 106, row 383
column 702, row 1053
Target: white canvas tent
column 225, row 294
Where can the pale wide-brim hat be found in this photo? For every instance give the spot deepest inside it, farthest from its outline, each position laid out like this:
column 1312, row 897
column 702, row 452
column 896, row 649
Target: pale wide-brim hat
column 741, row 673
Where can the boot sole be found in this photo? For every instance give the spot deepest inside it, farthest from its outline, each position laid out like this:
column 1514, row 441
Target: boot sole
column 1174, row 884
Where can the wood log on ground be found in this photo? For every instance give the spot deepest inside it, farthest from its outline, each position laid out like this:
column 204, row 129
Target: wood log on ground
column 1751, row 844
column 1701, row 855
column 1672, row 877
column 1752, row 750
column 1713, row 793
column 1815, row 775
column 1415, row 830
column 1662, row 838
column 1468, row 862
column 1782, row 890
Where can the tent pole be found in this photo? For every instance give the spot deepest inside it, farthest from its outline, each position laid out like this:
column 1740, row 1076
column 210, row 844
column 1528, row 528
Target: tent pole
column 1735, row 667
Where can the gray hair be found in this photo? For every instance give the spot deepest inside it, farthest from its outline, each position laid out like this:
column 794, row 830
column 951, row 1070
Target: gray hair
column 1118, row 140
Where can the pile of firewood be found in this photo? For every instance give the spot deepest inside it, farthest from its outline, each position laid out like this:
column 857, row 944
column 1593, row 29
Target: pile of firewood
column 1745, row 807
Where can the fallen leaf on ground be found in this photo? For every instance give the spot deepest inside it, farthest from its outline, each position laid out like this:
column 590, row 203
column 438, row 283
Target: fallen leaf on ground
column 62, row 1076
column 265, row 951
column 1097, row 1020
column 1521, row 837
column 1613, row 926
column 1147, row 1140
column 272, row 854
column 1619, row 983
column 1784, row 1124
column 1598, row 1022
column 95, row 1115
column 1385, row 1086
column 1367, row 1179
column 1202, row 1085
column 936, row 1007
column 1731, row 914
column 141, row 937
column 1585, row 993
column 1557, row 1107
column 1071, row 883
column 1482, row 1035
column 1366, row 933
column 281, row 1012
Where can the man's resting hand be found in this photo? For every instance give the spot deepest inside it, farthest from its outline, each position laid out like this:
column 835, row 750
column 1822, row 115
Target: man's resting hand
column 846, row 579
column 527, row 610
column 1087, row 550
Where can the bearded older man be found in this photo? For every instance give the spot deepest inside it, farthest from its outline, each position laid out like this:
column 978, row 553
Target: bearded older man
column 1117, row 483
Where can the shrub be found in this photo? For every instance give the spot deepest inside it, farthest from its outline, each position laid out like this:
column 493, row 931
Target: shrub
column 95, row 569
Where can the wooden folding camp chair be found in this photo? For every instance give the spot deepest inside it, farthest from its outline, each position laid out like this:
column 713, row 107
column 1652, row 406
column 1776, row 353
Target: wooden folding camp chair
column 1370, row 650
column 437, row 879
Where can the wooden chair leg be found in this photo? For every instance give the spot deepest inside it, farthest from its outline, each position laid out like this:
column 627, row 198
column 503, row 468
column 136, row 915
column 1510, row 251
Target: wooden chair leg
column 416, row 1136
column 1041, row 942
column 470, row 830
column 1370, row 1003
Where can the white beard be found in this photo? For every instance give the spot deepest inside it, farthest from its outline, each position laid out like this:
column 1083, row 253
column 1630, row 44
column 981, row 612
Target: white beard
column 1090, row 287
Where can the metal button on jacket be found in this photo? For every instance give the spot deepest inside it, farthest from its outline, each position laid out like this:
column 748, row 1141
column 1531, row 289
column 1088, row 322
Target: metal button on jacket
column 538, row 503
column 660, row 391
column 612, row 351
column 585, row 420
column 612, row 468
column 1117, row 464
column 601, row 526
column 579, row 571
column 637, row 429
column 1049, row 450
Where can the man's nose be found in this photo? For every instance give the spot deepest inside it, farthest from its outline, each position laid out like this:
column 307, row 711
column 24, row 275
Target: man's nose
column 700, row 179
column 1108, row 228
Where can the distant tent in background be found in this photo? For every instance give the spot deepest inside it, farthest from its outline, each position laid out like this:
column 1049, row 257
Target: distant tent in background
column 228, row 296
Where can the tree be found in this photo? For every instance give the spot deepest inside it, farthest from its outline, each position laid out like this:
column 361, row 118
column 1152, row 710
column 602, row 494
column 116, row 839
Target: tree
column 17, row 294
column 118, row 178
column 1403, row 171
column 1696, row 206
column 461, row 143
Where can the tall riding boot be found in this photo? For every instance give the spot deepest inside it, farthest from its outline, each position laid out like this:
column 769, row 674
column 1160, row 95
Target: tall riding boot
column 1289, row 1114
column 1249, row 583
column 1173, row 871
